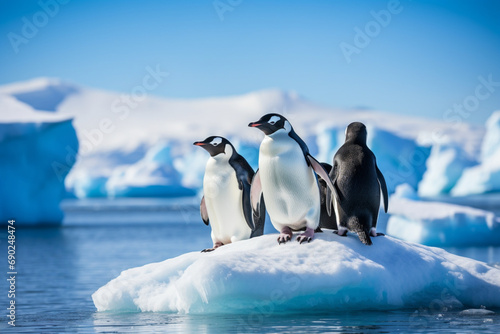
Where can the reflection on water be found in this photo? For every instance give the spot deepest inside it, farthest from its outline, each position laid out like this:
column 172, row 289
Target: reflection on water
column 59, row 269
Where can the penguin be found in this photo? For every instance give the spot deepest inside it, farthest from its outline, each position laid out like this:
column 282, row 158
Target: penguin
column 226, row 200
column 286, row 179
column 358, row 183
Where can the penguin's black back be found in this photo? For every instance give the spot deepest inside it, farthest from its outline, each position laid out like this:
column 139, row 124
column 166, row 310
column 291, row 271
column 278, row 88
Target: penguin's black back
column 357, row 183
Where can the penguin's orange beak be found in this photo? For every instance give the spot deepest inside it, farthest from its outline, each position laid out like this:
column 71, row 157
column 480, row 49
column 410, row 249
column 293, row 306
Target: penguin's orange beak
column 199, row 143
column 254, row 124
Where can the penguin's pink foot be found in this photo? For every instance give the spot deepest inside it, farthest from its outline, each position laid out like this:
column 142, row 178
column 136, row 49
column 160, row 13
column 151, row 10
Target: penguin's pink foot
column 307, row 236
column 341, row 232
column 217, row 245
column 285, row 235
column 374, row 233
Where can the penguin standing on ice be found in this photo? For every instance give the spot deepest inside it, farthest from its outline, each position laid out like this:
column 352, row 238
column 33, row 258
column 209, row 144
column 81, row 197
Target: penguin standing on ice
column 226, row 200
column 286, row 179
column 358, row 183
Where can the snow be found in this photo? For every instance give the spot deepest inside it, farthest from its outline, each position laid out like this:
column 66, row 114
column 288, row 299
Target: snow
column 476, row 312
column 485, row 177
column 331, row 273
column 35, row 161
column 152, row 176
column 41, row 93
column 444, row 168
column 479, row 179
column 440, row 224
column 491, row 142
column 116, row 130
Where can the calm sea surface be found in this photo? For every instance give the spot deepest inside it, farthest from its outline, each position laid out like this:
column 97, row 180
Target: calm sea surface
column 59, row 269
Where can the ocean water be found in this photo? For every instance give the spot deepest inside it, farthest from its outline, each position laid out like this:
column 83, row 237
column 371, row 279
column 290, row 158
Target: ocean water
column 60, row 267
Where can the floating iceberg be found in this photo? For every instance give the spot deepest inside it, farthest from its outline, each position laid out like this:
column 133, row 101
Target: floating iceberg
column 444, row 168
column 152, row 176
column 491, row 141
column 42, row 93
column 87, row 185
column 480, row 179
column 331, row 273
column 485, row 177
column 440, row 224
column 34, row 162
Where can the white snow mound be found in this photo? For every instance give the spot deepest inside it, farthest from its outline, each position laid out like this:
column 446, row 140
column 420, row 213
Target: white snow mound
column 330, row 273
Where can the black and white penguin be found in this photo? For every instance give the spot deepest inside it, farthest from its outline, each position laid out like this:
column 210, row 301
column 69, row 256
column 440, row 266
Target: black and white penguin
column 358, row 183
column 226, row 194
column 286, row 179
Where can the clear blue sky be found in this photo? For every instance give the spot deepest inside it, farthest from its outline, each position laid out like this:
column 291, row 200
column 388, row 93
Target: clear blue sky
column 426, row 59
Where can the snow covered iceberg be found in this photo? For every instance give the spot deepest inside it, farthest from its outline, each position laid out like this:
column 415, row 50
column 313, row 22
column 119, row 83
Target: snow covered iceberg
column 41, row 93
column 440, row 224
column 480, row 179
column 35, row 157
column 331, row 273
column 491, row 142
column 152, row 176
column 444, row 168
column 485, row 177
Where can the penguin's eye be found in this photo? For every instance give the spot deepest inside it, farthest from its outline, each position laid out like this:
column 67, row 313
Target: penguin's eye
column 273, row 120
column 216, row 141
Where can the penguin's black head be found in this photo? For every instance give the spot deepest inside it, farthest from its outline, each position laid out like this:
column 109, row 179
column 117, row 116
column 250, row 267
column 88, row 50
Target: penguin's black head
column 356, row 132
column 270, row 123
column 214, row 145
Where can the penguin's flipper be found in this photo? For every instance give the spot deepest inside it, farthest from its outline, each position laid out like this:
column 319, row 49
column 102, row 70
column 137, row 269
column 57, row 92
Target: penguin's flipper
column 247, row 206
column 329, row 200
column 259, row 220
column 320, row 170
column 203, row 211
column 383, row 187
column 256, row 194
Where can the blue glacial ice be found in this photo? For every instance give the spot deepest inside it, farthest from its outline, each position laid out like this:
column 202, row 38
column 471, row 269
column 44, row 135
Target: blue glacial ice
column 445, row 166
column 35, row 158
column 329, row 274
column 484, row 177
column 44, row 94
column 440, row 224
column 152, row 176
column 491, row 141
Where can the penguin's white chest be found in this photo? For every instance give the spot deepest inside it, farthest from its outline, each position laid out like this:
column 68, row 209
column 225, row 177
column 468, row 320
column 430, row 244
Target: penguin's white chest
column 289, row 185
column 223, row 200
